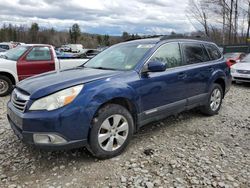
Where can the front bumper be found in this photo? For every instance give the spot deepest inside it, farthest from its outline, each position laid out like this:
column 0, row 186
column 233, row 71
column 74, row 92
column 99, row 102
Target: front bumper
column 241, row 77
column 69, row 125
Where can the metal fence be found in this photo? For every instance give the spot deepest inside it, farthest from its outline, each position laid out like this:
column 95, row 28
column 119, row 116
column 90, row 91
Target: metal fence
column 236, row 48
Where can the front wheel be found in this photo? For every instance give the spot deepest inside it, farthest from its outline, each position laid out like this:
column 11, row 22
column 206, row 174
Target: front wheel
column 5, row 86
column 111, row 131
column 214, row 101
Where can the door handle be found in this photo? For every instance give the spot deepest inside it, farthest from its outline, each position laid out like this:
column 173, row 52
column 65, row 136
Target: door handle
column 182, row 75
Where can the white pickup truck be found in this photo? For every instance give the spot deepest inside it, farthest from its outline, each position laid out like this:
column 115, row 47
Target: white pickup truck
column 29, row 60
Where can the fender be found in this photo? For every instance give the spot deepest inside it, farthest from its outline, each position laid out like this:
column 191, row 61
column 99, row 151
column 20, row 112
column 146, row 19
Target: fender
column 10, row 67
column 217, row 74
column 2, row 70
column 106, row 92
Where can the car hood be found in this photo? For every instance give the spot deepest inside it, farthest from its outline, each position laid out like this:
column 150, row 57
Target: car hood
column 4, row 61
column 241, row 66
column 45, row 84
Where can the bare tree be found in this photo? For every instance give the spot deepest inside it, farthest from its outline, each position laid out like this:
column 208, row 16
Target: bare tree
column 235, row 20
column 197, row 11
column 248, row 21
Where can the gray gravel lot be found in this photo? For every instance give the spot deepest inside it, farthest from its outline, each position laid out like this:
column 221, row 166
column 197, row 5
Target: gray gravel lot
column 190, row 150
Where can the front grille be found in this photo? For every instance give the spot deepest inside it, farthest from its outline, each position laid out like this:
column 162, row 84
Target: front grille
column 240, row 78
column 243, row 71
column 19, row 100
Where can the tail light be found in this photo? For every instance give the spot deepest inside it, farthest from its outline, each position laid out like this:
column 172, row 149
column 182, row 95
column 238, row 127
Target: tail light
column 230, row 62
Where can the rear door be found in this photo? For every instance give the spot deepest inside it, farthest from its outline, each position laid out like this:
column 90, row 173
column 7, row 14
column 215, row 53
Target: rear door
column 38, row 60
column 199, row 69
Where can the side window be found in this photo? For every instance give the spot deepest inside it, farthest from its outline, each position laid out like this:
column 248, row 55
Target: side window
column 169, row 54
column 194, row 53
column 213, row 52
column 39, row 54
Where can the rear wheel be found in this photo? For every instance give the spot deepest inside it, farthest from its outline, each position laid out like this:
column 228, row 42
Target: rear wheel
column 5, row 86
column 214, row 101
column 111, row 131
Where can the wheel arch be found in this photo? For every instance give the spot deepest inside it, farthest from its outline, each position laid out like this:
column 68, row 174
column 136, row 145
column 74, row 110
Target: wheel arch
column 10, row 76
column 126, row 103
column 222, row 83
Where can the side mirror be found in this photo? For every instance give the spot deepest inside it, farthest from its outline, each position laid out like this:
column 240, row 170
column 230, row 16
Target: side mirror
column 154, row 66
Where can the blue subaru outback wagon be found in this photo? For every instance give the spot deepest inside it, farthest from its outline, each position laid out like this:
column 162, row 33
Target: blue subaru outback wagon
column 103, row 102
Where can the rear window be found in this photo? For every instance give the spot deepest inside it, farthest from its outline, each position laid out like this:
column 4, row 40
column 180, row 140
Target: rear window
column 213, row 51
column 39, row 54
column 194, row 53
column 4, row 46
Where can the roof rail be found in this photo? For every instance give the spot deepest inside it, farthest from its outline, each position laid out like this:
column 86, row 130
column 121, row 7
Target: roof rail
column 180, row 36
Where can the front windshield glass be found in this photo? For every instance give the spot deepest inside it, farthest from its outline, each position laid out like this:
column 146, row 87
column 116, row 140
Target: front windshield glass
column 119, row 57
column 15, row 53
column 246, row 59
column 231, row 55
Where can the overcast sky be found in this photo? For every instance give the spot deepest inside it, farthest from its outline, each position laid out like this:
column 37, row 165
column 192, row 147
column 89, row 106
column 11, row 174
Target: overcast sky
column 100, row 16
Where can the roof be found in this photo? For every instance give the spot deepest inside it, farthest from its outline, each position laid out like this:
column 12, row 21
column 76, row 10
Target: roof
column 36, row 45
column 169, row 39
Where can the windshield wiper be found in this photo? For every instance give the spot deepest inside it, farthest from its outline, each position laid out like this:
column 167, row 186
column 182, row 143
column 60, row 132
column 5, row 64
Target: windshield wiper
column 102, row 68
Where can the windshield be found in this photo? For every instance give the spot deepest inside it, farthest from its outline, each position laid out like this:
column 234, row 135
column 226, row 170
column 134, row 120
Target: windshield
column 119, row 57
column 246, row 59
column 231, row 55
column 15, row 53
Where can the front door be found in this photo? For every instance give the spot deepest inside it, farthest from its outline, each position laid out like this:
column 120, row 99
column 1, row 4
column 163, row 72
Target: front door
column 164, row 91
column 38, row 60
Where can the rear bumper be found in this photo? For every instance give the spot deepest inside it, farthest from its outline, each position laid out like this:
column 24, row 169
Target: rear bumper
column 25, row 126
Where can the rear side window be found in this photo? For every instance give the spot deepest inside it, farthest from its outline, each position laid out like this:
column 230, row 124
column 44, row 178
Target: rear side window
column 168, row 54
column 213, row 51
column 39, row 54
column 194, row 53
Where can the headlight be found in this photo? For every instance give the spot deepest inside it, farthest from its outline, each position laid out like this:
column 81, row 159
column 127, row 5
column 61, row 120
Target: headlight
column 233, row 70
column 57, row 100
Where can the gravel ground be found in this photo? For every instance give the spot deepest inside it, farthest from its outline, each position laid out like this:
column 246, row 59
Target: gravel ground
column 190, row 150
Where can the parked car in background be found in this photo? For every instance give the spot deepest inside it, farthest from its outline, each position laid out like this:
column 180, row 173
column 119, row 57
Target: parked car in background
column 2, row 51
column 241, row 71
column 101, row 104
column 29, row 60
column 6, row 45
column 87, row 53
column 233, row 58
column 75, row 48
column 65, row 48
column 63, row 55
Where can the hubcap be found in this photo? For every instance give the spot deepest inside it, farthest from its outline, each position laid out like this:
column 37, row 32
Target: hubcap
column 113, row 132
column 215, row 99
column 3, row 86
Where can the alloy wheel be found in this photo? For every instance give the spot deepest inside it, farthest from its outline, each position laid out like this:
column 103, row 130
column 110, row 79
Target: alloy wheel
column 3, row 86
column 113, row 132
column 215, row 99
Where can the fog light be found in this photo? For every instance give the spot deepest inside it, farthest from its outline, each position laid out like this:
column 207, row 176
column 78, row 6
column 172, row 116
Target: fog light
column 48, row 139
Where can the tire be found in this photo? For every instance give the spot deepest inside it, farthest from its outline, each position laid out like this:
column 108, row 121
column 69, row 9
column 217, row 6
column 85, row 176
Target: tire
column 6, row 86
column 116, row 125
column 214, row 101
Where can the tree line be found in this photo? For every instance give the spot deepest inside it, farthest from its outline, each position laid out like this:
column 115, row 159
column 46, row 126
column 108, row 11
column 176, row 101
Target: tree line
column 40, row 35
column 224, row 21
